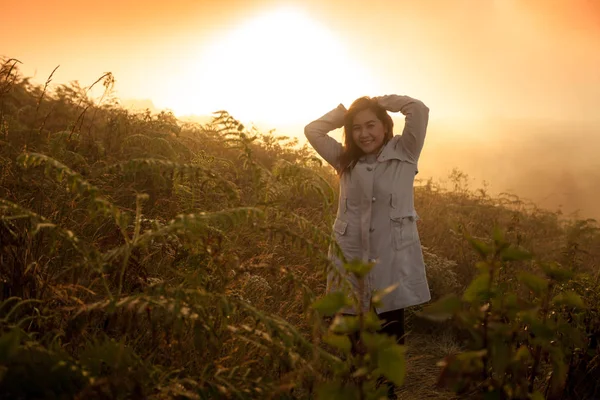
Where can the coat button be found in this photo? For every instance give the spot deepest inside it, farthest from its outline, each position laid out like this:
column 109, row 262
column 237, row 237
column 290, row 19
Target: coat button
column 373, row 199
column 371, row 229
column 369, row 168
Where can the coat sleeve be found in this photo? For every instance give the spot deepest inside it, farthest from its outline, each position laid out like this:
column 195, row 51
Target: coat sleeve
column 415, row 125
column 317, row 134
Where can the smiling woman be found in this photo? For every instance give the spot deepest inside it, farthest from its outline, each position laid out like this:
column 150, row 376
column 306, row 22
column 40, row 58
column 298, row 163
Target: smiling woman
column 281, row 67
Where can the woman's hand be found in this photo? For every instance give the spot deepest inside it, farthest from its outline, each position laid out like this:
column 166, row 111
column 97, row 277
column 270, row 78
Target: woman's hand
column 389, row 102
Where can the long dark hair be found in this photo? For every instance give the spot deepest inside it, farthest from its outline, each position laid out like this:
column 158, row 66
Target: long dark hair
column 351, row 152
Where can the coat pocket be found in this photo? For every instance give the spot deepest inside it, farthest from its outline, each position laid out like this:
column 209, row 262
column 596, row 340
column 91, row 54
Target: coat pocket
column 339, row 227
column 404, row 230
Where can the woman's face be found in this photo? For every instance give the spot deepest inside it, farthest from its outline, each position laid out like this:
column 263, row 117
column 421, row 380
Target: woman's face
column 368, row 131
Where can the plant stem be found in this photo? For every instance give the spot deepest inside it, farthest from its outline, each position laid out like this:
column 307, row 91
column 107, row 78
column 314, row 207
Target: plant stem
column 538, row 349
column 486, row 316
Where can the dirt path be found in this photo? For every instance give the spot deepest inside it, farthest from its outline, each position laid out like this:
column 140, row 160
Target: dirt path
column 423, row 352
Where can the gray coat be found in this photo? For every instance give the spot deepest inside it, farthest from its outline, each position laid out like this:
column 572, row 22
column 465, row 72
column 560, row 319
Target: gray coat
column 376, row 220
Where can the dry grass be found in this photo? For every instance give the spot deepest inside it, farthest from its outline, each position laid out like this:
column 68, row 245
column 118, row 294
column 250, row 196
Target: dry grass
column 274, row 269
column 424, row 351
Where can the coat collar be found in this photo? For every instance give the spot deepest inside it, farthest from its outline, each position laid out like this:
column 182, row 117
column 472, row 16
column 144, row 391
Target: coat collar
column 392, row 150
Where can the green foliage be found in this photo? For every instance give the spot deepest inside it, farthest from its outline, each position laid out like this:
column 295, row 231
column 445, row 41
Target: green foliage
column 522, row 325
column 145, row 257
column 368, row 356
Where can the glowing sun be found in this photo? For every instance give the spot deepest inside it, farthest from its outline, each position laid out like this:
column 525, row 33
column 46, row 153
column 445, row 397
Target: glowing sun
column 280, row 67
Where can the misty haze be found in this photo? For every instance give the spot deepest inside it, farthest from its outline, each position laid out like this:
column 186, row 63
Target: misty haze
column 181, row 216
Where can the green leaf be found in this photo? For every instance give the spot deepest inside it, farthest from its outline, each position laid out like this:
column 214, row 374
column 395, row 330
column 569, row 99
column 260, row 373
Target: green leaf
column 335, row 391
column 392, row 363
column 555, row 272
column 358, row 268
column 9, row 343
column 559, row 370
column 522, row 355
column 442, row 309
column 344, row 324
column 331, row 303
column 498, row 236
column 536, row 396
column 537, row 327
column 483, row 267
column 377, row 341
column 515, row 254
column 536, row 284
column 570, row 299
column 478, row 289
column 481, row 247
column 500, row 353
column 372, row 322
column 341, row 342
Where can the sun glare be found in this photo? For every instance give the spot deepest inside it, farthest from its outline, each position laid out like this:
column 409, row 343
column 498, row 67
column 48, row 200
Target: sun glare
column 281, row 67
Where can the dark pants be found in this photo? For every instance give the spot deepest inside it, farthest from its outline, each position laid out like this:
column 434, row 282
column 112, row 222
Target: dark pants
column 392, row 324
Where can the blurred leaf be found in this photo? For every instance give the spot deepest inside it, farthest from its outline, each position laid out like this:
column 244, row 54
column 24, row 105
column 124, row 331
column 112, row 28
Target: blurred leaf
column 500, row 354
column 533, row 282
column 344, row 324
column 9, row 344
column 478, row 289
column 498, row 235
column 358, row 268
column 513, row 253
column 559, row 370
column 442, row 309
column 335, row 391
column 330, row 304
column 392, row 363
column 522, row 355
column 539, row 329
column 481, row 247
column 372, row 322
column 556, row 272
column 341, row 342
column 571, row 299
column 377, row 341
column 483, row 267
column 536, row 396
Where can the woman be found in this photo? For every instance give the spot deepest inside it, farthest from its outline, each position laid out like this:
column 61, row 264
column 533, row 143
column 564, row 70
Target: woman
column 376, row 219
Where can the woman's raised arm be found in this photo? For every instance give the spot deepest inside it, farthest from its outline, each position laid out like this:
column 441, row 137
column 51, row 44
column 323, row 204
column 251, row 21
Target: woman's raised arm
column 317, row 134
column 415, row 125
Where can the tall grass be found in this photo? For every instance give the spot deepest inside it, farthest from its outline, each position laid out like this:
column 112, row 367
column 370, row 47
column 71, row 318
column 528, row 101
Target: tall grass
column 143, row 257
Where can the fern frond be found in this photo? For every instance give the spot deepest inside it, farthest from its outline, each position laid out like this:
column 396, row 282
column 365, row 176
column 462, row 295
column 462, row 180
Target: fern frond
column 75, row 183
column 164, row 167
column 10, row 212
column 194, row 223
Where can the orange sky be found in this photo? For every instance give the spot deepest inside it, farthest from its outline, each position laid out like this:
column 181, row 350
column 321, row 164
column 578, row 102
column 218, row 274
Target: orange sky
column 467, row 59
column 513, row 85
